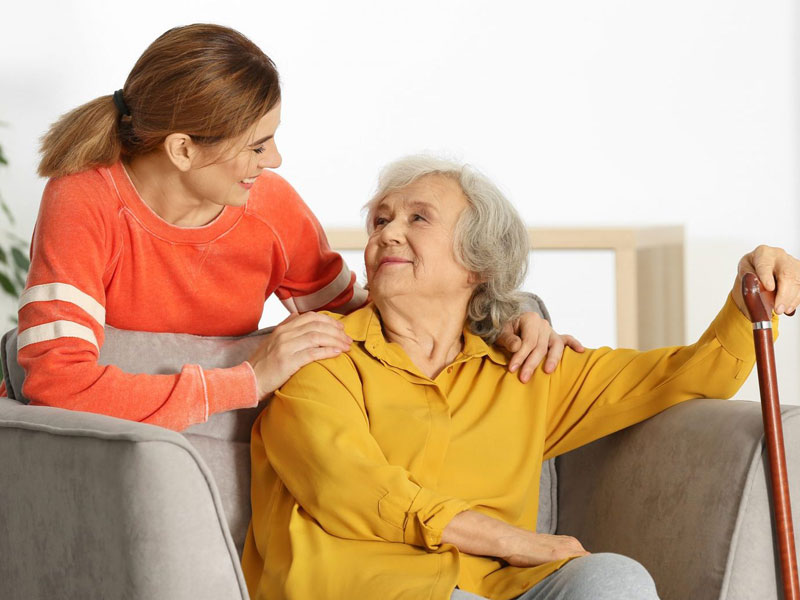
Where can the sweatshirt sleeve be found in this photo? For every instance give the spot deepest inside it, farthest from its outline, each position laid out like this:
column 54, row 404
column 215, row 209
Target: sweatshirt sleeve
column 602, row 391
column 317, row 278
column 316, row 437
column 62, row 319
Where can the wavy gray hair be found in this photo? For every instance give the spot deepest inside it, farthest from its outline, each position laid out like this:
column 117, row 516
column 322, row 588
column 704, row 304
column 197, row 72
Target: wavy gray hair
column 490, row 238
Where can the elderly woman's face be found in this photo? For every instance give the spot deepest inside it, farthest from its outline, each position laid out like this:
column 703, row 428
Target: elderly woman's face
column 410, row 250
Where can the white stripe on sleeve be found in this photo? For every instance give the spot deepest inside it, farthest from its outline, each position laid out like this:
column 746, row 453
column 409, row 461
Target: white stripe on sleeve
column 66, row 293
column 360, row 296
column 53, row 331
column 322, row 296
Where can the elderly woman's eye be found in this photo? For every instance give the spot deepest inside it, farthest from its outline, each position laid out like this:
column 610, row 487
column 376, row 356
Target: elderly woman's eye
column 417, row 218
column 379, row 221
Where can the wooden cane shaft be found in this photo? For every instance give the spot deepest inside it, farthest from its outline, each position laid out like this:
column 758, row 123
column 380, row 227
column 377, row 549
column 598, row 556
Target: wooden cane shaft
column 773, row 434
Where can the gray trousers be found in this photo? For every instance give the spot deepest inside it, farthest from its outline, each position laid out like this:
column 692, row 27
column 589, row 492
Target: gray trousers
column 603, row 576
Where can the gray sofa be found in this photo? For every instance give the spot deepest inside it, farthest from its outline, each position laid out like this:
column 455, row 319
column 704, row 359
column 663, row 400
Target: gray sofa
column 97, row 507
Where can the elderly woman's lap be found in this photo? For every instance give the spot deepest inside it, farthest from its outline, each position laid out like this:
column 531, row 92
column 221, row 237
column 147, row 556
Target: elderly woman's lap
column 603, row 576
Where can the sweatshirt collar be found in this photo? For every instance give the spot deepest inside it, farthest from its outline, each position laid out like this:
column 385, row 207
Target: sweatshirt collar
column 130, row 198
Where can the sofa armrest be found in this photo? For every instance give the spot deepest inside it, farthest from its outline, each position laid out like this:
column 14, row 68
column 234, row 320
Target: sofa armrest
column 97, row 507
column 685, row 494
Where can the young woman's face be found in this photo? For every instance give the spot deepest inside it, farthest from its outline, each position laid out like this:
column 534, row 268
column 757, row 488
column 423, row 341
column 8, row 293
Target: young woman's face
column 227, row 180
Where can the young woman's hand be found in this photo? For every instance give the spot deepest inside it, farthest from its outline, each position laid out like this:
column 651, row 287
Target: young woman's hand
column 772, row 266
column 531, row 338
column 295, row 342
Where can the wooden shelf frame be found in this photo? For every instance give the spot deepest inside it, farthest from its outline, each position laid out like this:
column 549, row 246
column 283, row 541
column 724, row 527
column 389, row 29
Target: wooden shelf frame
column 649, row 268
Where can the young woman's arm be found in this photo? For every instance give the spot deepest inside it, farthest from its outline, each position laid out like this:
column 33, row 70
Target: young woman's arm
column 62, row 319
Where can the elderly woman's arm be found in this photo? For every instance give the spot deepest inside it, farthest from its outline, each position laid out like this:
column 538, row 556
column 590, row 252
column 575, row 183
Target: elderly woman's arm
column 316, row 438
column 605, row 390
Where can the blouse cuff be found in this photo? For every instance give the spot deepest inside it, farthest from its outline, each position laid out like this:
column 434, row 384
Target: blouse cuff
column 735, row 331
column 424, row 521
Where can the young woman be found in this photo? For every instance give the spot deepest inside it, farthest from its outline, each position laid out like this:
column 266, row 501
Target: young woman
column 160, row 215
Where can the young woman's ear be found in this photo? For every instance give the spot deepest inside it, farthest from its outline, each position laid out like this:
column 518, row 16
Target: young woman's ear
column 180, row 150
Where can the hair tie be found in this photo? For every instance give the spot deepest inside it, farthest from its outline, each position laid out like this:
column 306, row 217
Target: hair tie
column 119, row 102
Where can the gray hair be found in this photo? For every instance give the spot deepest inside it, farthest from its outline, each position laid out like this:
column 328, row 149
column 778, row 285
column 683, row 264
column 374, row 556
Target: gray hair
column 490, row 238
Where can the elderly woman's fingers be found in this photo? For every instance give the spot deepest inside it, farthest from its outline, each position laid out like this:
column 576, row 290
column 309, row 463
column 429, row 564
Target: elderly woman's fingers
column 787, row 297
column 777, row 271
column 537, row 548
column 763, row 261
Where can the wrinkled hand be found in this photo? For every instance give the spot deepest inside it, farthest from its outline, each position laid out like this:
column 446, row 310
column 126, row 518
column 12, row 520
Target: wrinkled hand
column 297, row 341
column 531, row 549
column 772, row 266
column 531, row 338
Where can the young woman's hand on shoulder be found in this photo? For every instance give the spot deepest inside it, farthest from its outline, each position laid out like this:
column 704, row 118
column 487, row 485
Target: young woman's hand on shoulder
column 296, row 342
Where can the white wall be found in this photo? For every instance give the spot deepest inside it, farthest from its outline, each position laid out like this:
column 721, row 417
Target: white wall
column 586, row 112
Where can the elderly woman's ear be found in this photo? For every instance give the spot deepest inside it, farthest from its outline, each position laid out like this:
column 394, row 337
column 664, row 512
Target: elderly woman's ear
column 475, row 278
column 531, row 339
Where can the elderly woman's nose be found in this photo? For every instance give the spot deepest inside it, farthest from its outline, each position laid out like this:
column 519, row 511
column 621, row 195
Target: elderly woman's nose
column 392, row 232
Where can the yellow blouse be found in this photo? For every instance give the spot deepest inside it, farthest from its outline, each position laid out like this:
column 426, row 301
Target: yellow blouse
column 359, row 462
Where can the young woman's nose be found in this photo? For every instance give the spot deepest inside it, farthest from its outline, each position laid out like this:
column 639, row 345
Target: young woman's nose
column 271, row 159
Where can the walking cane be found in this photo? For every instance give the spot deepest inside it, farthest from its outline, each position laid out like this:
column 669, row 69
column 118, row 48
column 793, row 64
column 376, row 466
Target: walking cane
column 759, row 304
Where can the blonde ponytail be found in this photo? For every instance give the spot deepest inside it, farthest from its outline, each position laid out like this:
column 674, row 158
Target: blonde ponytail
column 85, row 137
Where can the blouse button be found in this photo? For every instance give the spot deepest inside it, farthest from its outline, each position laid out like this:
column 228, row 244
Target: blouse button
column 449, row 369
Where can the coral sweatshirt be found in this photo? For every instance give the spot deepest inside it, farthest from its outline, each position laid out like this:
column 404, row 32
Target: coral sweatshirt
column 101, row 256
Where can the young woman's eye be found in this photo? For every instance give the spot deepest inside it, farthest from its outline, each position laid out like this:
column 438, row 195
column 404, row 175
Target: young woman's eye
column 259, row 150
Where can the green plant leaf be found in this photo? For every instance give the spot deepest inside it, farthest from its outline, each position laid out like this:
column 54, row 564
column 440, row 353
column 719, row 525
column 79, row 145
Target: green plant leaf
column 3, row 256
column 7, row 211
column 20, row 259
column 7, row 286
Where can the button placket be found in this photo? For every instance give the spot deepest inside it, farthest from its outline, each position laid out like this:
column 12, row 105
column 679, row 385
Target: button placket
column 439, row 435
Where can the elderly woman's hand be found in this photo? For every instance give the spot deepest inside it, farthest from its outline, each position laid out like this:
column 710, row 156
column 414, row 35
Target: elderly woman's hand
column 473, row 532
column 530, row 549
column 531, row 338
column 772, row 266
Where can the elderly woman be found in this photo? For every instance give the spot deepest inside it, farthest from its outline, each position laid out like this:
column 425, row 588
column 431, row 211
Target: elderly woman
column 409, row 466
